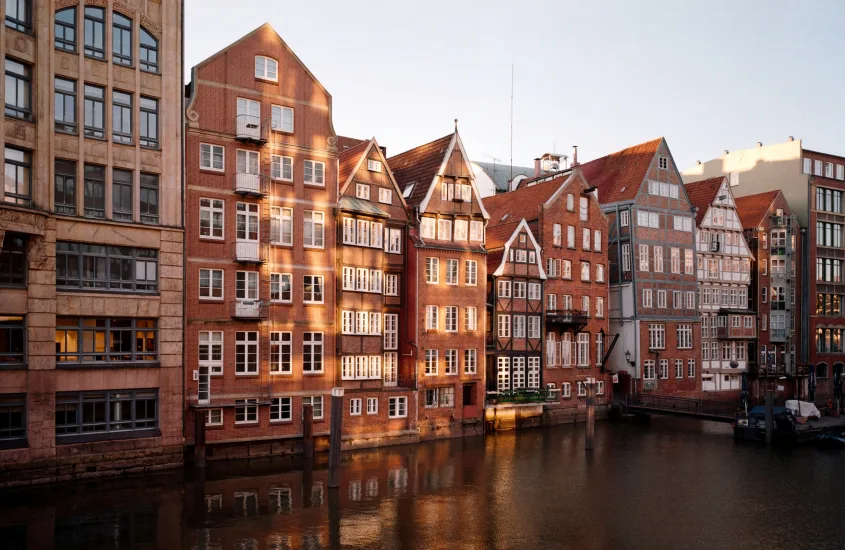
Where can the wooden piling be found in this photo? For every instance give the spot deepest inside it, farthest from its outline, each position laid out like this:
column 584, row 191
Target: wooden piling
column 591, row 414
column 335, row 434
column 199, row 438
column 308, row 431
column 770, row 416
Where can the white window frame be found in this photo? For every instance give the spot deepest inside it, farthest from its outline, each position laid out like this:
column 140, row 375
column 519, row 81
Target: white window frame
column 362, row 191
column 318, row 173
column 470, row 361
column 317, row 220
column 277, row 124
column 283, row 340
column 432, row 270
column 372, row 405
column 212, row 339
column 266, row 65
column 391, row 284
column 211, row 273
column 282, row 277
column 397, row 407
column 281, row 216
column 322, row 283
column 211, row 150
column 211, row 209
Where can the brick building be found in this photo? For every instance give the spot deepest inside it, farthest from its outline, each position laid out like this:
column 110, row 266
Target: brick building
column 812, row 182
column 653, row 284
column 728, row 325
column 572, row 231
column 372, row 245
column 91, row 230
column 773, row 236
column 261, row 177
column 514, row 324
column 447, row 271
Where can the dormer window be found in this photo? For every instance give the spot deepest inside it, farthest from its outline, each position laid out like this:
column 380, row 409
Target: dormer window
column 373, row 165
column 663, row 162
column 266, row 68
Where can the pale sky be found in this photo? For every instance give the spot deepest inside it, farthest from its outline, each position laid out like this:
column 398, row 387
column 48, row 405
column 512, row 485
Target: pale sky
column 707, row 75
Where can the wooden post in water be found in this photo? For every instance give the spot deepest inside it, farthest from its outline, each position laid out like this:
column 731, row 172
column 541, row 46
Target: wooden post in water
column 199, row 438
column 308, row 431
column 770, row 416
column 335, row 434
column 591, row 414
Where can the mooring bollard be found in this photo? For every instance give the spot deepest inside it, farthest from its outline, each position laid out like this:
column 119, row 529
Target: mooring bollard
column 334, row 438
column 591, row 414
column 308, row 431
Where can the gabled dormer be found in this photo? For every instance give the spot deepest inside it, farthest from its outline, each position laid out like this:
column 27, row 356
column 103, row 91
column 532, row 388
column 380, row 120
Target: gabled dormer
column 438, row 182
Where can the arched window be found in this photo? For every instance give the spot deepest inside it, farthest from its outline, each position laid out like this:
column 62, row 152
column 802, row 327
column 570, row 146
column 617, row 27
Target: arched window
column 66, row 29
column 121, row 39
column 149, row 52
column 266, row 68
column 821, row 370
column 838, row 368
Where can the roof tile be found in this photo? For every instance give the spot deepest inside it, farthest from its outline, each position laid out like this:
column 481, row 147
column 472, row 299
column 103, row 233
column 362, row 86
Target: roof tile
column 753, row 208
column 419, row 166
column 348, row 160
column 701, row 195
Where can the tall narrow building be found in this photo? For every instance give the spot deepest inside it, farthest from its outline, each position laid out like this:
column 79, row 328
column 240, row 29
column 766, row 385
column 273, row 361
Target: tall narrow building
column 92, row 238
column 261, row 176
column 728, row 324
column 372, row 249
column 773, row 236
column 447, row 271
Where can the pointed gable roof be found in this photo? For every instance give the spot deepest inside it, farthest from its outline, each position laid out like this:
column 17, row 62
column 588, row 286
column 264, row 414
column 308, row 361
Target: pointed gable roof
column 422, row 165
column 351, row 160
column 701, row 195
column 617, row 176
column 419, row 166
column 346, row 142
column 753, row 208
column 504, row 236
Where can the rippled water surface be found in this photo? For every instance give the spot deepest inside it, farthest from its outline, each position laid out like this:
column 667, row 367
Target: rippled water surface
column 671, row 484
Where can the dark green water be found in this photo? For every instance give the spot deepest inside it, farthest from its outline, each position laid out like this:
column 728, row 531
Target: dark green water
column 671, row 484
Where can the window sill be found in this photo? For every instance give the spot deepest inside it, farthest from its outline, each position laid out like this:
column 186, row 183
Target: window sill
column 75, row 290
column 20, row 118
column 317, row 185
column 95, row 58
column 282, row 181
column 12, row 366
column 213, row 239
column 313, row 373
column 246, row 423
column 283, row 421
column 210, row 299
column 70, row 439
column 61, row 365
column 104, row 140
column 148, row 148
column 315, row 248
column 147, row 71
column 217, row 171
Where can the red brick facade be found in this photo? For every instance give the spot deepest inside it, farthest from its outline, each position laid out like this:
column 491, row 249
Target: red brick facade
column 447, row 276
column 278, row 232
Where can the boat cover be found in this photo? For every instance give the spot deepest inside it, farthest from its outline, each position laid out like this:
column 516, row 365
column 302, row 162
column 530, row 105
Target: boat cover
column 802, row 408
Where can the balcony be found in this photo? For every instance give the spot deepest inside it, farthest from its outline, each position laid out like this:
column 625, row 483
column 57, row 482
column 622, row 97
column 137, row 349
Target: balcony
column 518, row 397
column 249, row 309
column 249, row 252
column 250, row 184
column 778, row 334
column 569, row 318
column 767, row 371
column 226, row 395
column 251, row 129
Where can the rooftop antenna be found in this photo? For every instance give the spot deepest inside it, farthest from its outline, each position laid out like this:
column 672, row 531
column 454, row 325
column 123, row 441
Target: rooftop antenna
column 510, row 178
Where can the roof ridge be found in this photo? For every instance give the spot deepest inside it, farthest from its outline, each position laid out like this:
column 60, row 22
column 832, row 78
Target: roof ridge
column 421, row 145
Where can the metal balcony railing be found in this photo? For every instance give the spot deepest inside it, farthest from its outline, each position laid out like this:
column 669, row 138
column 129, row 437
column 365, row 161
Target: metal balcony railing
column 251, row 252
column 249, row 309
column 250, row 184
column 252, row 129
column 567, row 316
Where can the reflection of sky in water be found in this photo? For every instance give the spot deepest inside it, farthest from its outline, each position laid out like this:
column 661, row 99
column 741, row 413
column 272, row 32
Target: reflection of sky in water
column 672, row 483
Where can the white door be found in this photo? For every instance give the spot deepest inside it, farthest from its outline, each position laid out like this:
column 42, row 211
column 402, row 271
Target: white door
column 204, row 386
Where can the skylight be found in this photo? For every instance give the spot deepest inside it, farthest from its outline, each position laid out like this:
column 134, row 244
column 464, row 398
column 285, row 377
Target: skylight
column 408, row 190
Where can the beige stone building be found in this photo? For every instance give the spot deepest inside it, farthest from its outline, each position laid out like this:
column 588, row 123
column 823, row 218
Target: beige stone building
column 91, row 225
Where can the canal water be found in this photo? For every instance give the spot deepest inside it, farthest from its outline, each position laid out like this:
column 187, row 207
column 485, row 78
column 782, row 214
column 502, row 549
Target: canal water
column 674, row 483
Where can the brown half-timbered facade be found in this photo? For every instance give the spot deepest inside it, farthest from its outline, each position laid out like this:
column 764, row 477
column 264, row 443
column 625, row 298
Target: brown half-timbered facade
column 372, row 245
column 515, row 314
column 447, row 271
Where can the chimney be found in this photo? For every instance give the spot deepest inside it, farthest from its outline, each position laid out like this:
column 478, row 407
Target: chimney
column 383, row 150
column 537, row 170
column 727, row 152
column 574, row 156
column 698, row 163
column 759, row 144
column 791, row 138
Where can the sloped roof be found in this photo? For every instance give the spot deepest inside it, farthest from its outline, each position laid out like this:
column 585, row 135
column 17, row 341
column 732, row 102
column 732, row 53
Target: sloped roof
column 525, row 202
column 354, row 204
column 345, row 142
column 419, row 166
column 501, row 173
column 701, row 195
column 498, row 235
column 348, row 159
column 753, row 208
column 617, row 176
